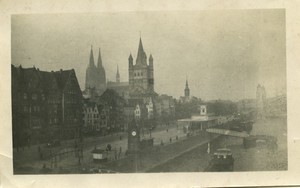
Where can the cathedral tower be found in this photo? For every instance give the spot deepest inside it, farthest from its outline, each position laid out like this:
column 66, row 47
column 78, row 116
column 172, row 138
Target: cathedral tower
column 141, row 78
column 91, row 74
column 101, row 78
column 95, row 76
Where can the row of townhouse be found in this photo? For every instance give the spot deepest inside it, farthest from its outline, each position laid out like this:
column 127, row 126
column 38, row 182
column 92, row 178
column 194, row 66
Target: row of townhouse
column 105, row 115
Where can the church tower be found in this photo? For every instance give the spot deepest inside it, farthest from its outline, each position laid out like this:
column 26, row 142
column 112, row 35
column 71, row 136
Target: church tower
column 101, row 78
column 186, row 90
column 141, row 78
column 95, row 76
column 91, row 73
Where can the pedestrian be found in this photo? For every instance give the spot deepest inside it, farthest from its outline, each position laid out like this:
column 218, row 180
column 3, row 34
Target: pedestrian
column 170, row 140
column 120, row 151
column 120, row 137
column 176, row 137
column 161, row 143
column 116, row 156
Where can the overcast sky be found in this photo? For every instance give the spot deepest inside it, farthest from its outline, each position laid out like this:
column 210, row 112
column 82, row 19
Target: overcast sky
column 225, row 54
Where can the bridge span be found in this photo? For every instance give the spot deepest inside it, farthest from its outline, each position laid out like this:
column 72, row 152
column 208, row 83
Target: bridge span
column 228, row 132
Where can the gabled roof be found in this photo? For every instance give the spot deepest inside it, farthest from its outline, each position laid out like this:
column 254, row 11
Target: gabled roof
column 62, row 77
column 24, row 75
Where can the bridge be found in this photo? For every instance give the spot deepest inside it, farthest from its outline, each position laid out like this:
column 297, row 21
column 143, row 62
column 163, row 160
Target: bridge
column 228, row 132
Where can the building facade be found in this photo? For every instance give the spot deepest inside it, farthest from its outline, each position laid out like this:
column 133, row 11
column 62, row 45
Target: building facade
column 95, row 118
column 45, row 105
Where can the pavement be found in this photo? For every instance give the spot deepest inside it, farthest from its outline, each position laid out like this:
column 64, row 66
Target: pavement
column 30, row 157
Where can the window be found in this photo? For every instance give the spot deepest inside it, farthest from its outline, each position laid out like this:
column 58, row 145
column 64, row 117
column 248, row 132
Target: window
column 25, row 96
column 34, row 96
column 25, row 109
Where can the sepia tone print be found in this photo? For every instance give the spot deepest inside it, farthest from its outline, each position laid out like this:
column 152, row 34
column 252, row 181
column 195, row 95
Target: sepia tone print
column 196, row 91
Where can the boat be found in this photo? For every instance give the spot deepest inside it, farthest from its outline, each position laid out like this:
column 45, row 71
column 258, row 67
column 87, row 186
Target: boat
column 222, row 160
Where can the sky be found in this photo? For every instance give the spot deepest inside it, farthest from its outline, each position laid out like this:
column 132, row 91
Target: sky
column 224, row 54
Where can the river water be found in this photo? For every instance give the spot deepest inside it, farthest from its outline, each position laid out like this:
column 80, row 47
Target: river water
column 259, row 158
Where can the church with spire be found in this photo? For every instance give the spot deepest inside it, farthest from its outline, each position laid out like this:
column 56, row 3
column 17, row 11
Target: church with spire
column 141, row 77
column 187, row 89
column 186, row 97
column 95, row 79
column 122, row 88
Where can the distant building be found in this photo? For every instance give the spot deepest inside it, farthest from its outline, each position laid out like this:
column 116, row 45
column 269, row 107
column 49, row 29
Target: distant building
column 89, row 93
column 200, row 121
column 95, row 118
column 260, row 101
column 164, row 106
column 186, row 98
column 246, row 105
column 111, row 100
column 45, row 105
column 277, row 106
column 95, row 76
column 122, row 88
column 187, row 89
column 138, row 112
column 141, row 77
column 150, row 109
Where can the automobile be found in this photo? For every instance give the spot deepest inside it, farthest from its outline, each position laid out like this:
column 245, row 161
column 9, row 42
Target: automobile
column 53, row 143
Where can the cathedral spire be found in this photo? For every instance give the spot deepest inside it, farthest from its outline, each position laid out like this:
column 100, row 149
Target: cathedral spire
column 99, row 64
column 92, row 63
column 118, row 74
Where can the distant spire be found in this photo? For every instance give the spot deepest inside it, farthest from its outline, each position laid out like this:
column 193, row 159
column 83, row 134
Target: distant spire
column 141, row 56
column 130, row 57
column 186, row 90
column 118, row 74
column 99, row 64
column 186, row 82
column 150, row 58
column 92, row 63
